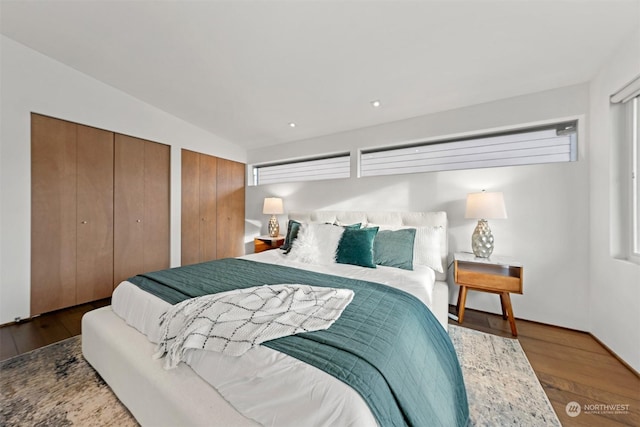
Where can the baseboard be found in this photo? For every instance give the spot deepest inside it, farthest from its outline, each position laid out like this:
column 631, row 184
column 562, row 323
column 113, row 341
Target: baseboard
column 21, row 320
column 613, row 353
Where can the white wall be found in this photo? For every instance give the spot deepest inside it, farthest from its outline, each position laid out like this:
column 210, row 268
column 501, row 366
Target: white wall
column 615, row 283
column 31, row 82
column 547, row 205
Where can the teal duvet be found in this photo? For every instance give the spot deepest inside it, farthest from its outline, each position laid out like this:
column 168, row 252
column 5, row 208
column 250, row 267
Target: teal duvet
column 387, row 345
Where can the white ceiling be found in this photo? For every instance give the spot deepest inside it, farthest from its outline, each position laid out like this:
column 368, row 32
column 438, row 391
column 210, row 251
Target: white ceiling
column 244, row 69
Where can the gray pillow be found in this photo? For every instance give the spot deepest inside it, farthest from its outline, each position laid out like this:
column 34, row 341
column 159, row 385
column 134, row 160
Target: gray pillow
column 395, row 248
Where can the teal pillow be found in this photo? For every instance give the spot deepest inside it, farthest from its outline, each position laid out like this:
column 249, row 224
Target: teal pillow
column 293, row 227
column 395, row 248
column 356, row 247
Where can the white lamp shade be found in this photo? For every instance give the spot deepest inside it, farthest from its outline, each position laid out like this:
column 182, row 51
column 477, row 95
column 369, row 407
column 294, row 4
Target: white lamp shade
column 485, row 206
column 272, row 206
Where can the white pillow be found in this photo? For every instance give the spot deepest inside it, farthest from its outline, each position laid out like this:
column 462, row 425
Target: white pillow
column 426, row 249
column 316, row 244
column 426, row 246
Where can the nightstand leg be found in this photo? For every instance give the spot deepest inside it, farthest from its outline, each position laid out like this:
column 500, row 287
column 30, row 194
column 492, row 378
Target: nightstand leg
column 503, row 305
column 462, row 300
column 506, row 299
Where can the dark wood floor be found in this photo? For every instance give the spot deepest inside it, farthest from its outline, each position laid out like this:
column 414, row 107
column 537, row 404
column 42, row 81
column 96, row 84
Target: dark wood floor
column 571, row 366
column 18, row 338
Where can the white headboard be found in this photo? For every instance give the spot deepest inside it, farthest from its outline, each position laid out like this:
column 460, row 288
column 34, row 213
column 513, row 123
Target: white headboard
column 411, row 219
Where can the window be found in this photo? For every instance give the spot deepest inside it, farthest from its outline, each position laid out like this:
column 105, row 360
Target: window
column 549, row 144
column 635, row 170
column 626, row 168
column 337, row 166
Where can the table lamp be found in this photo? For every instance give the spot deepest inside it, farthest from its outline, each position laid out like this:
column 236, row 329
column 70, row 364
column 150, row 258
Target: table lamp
column 273, row 206
column 483, row 206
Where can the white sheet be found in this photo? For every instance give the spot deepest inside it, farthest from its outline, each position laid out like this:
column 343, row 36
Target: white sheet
column 293, row 389
column 418, row 282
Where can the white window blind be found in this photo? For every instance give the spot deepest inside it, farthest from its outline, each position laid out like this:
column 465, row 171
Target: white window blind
column 541, row 145
column 305, row 170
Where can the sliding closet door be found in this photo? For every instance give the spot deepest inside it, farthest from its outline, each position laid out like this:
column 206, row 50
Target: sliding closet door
column 53, row 214
column 208, row 208
column 230, row 209
column 94, row 270
column 190, row 208
column 157, row 164
column 141, row 210
column 128, row 208
column 199, row 193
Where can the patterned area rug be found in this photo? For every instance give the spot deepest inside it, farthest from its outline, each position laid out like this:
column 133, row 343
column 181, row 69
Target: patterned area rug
column 55, row 386
column 502, row 387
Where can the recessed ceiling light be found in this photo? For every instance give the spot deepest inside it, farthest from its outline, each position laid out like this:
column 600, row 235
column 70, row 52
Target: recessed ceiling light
column 292, row 125
column 376, row 103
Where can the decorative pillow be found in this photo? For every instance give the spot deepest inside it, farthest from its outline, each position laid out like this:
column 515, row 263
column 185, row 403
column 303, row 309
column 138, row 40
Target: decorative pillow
column 316, row 244
column 395, row 248
column 356, row 246
column 427, row 247
column 292, row 232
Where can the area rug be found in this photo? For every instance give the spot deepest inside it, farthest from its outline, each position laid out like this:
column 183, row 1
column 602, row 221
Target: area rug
column 502, row 387
column 55, row 386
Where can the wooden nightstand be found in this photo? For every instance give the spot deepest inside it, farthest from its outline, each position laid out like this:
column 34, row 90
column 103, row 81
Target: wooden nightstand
column 498, row 275
column 264, row 243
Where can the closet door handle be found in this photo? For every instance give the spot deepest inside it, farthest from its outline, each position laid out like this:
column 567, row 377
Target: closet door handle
column 138, row 220
column 83, row 222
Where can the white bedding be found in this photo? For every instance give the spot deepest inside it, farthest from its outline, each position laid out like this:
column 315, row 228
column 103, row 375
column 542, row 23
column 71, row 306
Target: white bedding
column 418, row 282
column 295, row 389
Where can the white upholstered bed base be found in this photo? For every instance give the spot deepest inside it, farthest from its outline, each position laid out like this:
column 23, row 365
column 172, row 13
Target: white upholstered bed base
column 155, row 396
column 179, row 397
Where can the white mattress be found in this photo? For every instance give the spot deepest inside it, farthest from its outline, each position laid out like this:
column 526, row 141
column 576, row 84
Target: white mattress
column 295, row 389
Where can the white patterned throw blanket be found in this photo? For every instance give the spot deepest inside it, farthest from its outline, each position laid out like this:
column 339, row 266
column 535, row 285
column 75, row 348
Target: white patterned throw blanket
column 233, row 322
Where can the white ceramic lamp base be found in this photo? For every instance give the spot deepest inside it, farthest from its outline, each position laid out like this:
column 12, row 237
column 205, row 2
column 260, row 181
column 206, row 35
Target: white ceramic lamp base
column 274, row 227
column 482, row 240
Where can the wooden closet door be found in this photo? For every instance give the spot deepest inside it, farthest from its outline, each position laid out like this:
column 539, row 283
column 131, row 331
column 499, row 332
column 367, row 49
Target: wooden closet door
column 141, row 211
column 199, row 203
column 94, row 268
column 190, row 208
column 156, row 224
column 128, row 208
column 231, row 189
column 53, row 214
column 208, row 208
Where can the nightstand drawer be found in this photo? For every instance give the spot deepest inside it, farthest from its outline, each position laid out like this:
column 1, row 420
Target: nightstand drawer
column 490, row 281
column 265, row 243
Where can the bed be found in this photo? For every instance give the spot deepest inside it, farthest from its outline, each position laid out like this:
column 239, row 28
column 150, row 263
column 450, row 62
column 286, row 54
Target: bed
column 213, row 389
